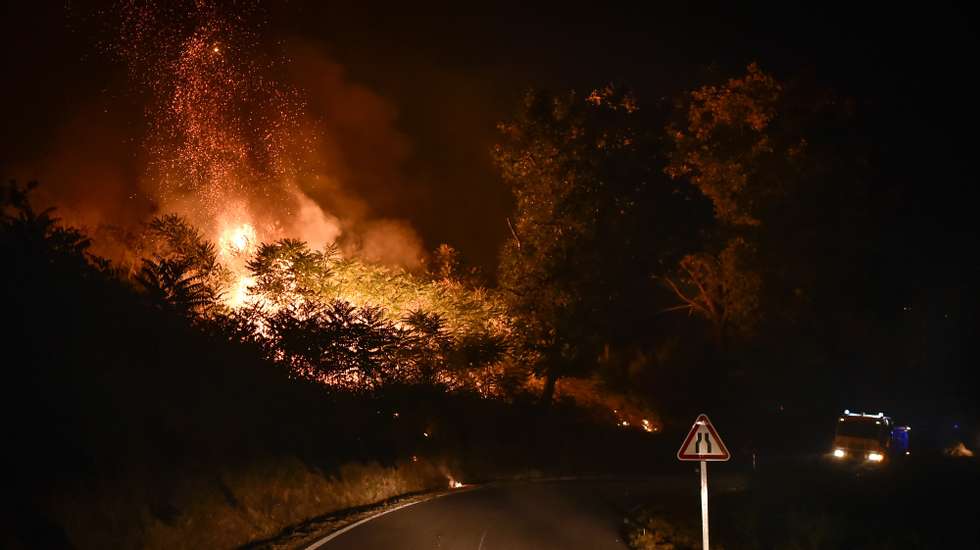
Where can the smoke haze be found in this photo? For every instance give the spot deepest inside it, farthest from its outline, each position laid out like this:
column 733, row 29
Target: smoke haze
column 211, row 126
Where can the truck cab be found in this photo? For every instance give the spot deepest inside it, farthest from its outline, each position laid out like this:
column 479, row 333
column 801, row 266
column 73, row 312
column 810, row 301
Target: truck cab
column 869, row 438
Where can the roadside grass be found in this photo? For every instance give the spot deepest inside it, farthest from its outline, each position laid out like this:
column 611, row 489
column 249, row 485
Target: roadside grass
column 657, row 529
column 230, row 508
column 212, row 494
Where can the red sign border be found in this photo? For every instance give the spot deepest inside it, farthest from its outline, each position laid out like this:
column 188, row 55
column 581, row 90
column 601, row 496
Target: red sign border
column 690, row 436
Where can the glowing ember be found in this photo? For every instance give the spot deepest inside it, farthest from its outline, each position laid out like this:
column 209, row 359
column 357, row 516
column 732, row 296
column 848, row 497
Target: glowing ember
column 221, row 126
column 453, row 484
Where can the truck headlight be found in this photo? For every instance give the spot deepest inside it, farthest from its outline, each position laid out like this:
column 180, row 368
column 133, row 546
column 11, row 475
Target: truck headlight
column 839, row 453
column 876, row 457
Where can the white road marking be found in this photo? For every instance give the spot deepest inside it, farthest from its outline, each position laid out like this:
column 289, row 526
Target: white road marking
column 336, row 534
column 483, row 536
column 339, row 532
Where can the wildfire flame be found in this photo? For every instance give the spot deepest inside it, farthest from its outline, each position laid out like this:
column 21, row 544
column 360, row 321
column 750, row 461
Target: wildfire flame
column 239, row 294
column 236, row 243
column 237, row 240
column 232, row 147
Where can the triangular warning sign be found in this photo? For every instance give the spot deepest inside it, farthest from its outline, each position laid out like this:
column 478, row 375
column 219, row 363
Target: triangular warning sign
column 703, row 443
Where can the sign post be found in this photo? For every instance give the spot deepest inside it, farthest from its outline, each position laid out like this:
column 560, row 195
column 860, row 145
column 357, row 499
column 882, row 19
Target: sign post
column 704, row 504
column 703, row 444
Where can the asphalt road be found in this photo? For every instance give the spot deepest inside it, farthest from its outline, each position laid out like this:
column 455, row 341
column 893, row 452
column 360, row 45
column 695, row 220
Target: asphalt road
column 536, row 515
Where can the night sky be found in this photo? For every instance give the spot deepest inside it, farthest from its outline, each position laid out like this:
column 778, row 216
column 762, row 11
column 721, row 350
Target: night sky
column 450, row 77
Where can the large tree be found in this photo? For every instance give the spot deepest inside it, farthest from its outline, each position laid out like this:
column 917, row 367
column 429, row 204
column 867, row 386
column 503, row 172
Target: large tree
column 750, row 173
column 785, row 173
column 586, row 191
column 731, row 143
column 740, row 146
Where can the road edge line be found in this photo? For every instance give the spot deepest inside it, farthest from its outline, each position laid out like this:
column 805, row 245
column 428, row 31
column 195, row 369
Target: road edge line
column 346, row 528
column 357, row 523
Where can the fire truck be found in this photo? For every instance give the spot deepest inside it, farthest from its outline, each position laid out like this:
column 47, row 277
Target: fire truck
column 869, row 438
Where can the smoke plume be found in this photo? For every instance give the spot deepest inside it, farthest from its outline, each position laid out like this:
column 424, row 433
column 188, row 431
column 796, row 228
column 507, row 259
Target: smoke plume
column 236, row 128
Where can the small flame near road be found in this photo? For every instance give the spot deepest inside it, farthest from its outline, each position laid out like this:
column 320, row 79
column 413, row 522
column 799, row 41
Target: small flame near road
column 453, row 484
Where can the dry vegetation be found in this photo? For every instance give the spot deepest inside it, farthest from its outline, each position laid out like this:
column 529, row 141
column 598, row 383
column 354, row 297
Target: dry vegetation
column 231, row 508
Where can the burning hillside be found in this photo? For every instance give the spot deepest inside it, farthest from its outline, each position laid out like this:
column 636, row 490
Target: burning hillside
column 210, row 114
column 248, row 157
column 233, row 148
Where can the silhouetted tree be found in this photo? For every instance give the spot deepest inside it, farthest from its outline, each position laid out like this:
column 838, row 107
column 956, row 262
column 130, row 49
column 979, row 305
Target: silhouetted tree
column 429, row 345
column 176, row 283
column 336, row 342
column 37, row 236
column 174, row 239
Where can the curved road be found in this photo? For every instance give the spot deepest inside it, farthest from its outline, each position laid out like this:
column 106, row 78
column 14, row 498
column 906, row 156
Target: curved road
column 549, row 514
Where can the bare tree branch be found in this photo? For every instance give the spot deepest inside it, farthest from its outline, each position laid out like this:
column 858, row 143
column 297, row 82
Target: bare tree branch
column 514, row 233
column 692, row 303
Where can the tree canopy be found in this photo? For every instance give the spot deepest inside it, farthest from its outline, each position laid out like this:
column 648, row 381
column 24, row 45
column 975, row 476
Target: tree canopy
column 625, row 213
column 576, row 267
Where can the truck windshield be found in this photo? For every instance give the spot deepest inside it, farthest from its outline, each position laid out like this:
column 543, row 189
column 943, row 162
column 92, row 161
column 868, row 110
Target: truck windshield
column 865, row 428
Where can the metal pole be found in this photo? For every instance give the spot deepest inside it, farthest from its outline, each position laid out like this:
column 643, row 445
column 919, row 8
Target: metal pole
column 704, row 505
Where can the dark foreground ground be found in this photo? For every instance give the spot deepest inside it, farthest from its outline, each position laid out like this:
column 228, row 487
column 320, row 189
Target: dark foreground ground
column 795, row 503
column 800, row 503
